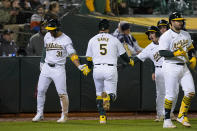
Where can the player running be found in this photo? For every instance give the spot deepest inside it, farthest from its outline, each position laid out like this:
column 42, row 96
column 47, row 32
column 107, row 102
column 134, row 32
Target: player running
column 103, row 51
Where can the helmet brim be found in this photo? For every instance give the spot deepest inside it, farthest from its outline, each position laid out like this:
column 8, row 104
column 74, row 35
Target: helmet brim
column 162, row 24
column 177, row 19
column 151, row 31
column 50, row 28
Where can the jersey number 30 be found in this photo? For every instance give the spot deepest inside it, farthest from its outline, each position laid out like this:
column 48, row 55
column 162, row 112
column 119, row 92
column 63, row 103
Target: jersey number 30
column 103, row 49
column 59, row 54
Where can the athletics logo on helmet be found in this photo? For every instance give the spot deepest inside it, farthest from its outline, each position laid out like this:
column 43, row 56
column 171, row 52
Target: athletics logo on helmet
column 52, row 24
column 103, row 25
column 163, row 23
column 153, row 29
column 175, row 16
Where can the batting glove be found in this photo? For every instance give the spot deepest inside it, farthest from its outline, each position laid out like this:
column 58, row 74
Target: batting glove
column 131, row 62
column 84, row 68
column 192, row 62
column 41, row 65
column 179, row 53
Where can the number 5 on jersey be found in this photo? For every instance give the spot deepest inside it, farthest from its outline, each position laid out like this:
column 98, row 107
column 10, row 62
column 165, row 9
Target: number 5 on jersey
column 103, row 49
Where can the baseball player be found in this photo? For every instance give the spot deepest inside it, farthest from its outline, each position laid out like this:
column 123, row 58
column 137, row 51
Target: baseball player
column 152, row 52
column 103, row 50
column 163, row 26
column 57, row 46
column 123, row 33
column 177, row 48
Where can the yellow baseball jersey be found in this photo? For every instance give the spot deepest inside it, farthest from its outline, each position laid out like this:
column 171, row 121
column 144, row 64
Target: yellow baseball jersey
column 104, row 49
column 57, row 49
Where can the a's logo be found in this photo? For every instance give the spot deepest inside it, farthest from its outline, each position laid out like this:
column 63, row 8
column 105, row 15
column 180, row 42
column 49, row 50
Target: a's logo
column 52, row 46
column 156, row 56
column 181, row 43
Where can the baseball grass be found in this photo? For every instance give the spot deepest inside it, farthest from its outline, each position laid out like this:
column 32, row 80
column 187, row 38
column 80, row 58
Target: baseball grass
column 93, row 125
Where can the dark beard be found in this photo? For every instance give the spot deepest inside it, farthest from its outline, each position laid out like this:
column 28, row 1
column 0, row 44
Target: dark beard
column 178, row 28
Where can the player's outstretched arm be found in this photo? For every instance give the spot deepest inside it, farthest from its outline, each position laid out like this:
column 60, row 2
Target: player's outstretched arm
column 84, row 68
column 90, row 63
column 130, row 61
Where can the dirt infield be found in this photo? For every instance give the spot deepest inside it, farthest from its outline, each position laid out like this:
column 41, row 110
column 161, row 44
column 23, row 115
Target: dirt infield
column 85, row 116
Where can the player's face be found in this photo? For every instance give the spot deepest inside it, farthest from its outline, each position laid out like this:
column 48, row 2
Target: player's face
column 127, row 32
column 177, row 24
column 152, row 36
column 53, row 33
column 163, row 28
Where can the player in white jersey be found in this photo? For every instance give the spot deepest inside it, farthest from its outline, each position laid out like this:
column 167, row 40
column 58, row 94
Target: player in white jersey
column 57, row 47
column 163, row 26
column 152, row 52
column 103, row 51
column 176, row 46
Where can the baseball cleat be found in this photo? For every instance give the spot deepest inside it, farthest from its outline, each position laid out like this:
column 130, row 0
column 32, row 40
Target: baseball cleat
column 159, row 118
column 168, row 124
column 103, row 119
column 38, row 117
column 106, row 101
column 184, row 121
column 62, row 119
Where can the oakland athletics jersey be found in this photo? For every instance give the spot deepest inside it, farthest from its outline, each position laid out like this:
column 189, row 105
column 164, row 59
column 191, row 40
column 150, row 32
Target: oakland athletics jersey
column 57, row 49
column 104, row 49
column 171, row 40
column 151, row 52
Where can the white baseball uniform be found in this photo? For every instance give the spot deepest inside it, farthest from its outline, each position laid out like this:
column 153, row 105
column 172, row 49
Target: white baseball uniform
column 152, row 52
column 104, row 50
column 175, row 70
column 57, row 49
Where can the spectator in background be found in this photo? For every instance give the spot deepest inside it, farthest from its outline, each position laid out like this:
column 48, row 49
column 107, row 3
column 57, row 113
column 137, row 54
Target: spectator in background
column 37, row 18
column 96, row 7
column 7, row 45
column 45, row 3
column 34, row 3
column 123, row 33
column 7, row 13
column 53, row 11
column 36, row 42
column 25, row 12
column 120, row 7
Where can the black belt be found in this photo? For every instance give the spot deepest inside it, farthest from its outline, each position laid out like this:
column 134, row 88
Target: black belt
column 105, row 64
column 158, row 66
column 51, row 65
column 180, row 64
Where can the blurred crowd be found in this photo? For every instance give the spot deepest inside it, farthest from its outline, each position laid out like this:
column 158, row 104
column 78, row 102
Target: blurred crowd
column 22, row 25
